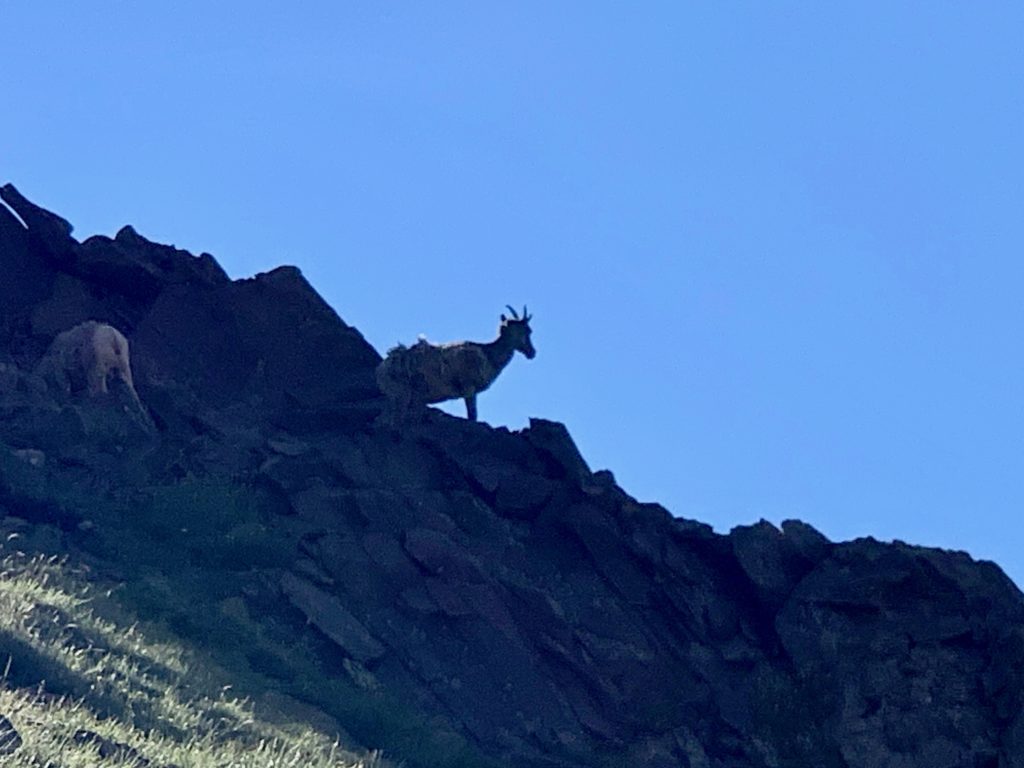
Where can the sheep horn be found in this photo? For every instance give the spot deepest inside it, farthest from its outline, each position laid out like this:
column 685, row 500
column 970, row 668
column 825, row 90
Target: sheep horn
column 514, row 315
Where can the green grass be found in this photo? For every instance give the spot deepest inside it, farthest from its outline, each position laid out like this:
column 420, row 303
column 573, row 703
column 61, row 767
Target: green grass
column 73, row 681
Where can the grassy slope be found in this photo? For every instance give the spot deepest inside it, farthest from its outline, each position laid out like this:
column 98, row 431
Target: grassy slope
column 85, row 690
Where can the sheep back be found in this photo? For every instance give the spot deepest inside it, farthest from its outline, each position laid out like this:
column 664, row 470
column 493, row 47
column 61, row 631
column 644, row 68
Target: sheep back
column 426, row 373
column 84, row 357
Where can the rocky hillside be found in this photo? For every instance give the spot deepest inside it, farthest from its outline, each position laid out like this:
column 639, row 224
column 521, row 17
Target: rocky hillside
column 454, row 593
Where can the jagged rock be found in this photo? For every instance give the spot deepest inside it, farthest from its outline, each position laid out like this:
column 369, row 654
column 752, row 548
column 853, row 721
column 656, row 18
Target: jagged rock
column 447, row 598
column 51, row 231
column 554, row 440
column 361, row 581
column 295, row 366
column 361, row 461
column 389, row 556
column 913, row 691
column 770, row 561
column 10, row 739
column 311, row 571
column 325, row 507
column 329, row 616
column 140, row 269
column 441, row 556
column 27, row 278
column 70, row 302
column 523, row 497
column 805, row 541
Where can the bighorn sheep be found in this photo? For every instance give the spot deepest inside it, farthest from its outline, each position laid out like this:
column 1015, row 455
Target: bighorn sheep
column 426, row 373
column 85, row 357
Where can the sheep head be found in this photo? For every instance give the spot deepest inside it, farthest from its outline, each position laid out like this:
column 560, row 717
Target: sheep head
column 517, row 330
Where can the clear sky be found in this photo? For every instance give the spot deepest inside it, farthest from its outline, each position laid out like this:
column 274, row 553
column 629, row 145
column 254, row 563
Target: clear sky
column 774, row 250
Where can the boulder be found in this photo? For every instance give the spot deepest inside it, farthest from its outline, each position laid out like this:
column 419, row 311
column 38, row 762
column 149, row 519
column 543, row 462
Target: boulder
column 327, row 614
column 247, row 328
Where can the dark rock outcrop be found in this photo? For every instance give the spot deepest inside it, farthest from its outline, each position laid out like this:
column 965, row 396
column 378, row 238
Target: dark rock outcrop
column 453, row 592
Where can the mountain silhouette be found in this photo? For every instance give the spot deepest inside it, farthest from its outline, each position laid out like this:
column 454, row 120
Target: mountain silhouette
column 452, row 592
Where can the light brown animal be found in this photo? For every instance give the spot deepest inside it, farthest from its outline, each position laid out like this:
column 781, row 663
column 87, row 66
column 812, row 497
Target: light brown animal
column 427, row 373
column 86, row 357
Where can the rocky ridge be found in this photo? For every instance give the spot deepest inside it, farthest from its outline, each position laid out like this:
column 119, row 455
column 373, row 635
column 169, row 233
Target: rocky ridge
column 456, row 593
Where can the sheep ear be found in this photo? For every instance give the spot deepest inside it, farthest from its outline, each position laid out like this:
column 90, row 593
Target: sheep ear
column 504, row 319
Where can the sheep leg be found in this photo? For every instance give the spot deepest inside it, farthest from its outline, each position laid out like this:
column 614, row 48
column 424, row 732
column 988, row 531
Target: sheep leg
column 471, row 407
column 97, row 381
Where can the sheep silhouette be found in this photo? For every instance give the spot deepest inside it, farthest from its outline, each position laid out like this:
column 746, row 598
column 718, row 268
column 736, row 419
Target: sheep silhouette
column 86, row 357
column 428, row 373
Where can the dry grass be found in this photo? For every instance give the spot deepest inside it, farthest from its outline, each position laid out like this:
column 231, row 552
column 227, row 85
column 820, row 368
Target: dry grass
column 82, row 690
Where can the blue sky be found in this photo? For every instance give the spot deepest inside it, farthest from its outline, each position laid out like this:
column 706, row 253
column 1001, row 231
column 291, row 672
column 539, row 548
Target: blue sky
column 774, row 250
